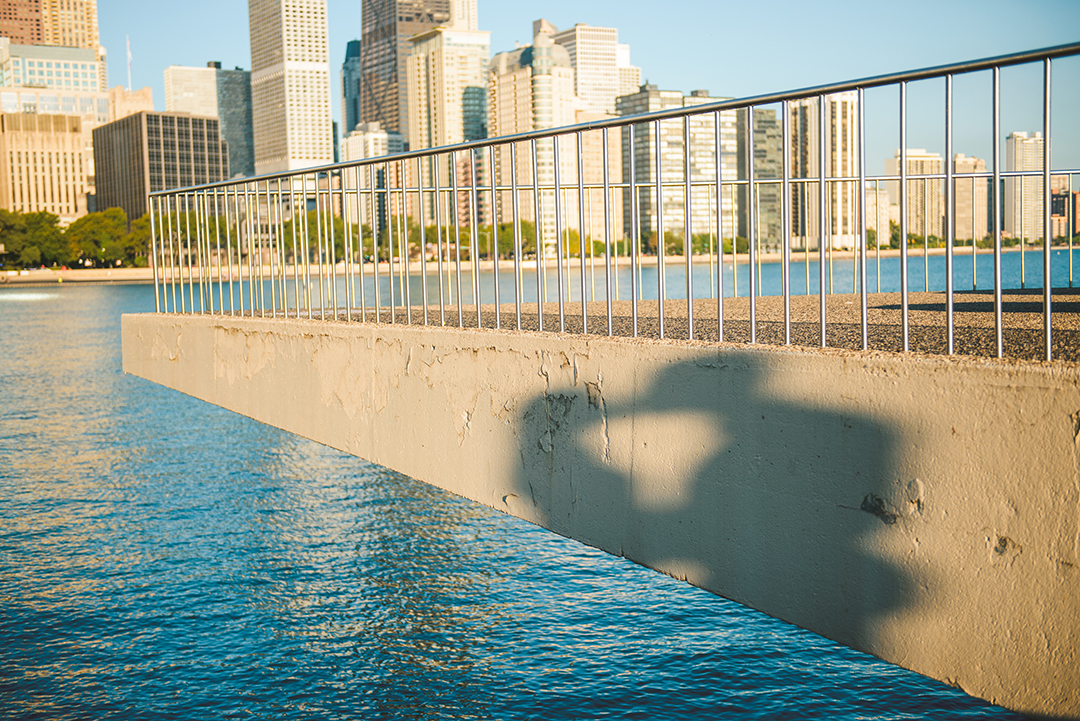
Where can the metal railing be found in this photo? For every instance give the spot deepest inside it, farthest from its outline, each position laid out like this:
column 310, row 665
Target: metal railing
column 455, row 235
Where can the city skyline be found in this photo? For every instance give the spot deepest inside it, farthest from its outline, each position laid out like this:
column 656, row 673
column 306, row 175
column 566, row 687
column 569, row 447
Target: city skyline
column 652, row 39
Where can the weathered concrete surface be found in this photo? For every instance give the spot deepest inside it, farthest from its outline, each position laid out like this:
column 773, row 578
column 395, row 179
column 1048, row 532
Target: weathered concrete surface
column 925, row 510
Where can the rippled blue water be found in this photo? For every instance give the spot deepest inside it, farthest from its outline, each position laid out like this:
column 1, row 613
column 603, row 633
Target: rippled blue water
column 161, row 558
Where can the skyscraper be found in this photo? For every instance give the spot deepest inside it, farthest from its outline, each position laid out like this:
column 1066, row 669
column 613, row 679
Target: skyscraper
column 290, row 85
column 842, row 158
column 386, row 26
column 925, row 197
column 532, row 88
column 595, row 55
column 672, row 163
column 350, row 87
column 447, row 91
column 225, row 94
column 1024, row 195
column 971, row 208
column 447, row 84
column 20, row 21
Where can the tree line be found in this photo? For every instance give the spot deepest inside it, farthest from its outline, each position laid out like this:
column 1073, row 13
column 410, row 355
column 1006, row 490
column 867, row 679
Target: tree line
column 95, row 240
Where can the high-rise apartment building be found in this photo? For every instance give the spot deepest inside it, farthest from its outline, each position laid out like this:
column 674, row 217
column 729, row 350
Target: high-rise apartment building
column 43, row 164
column 877, row 217
column 531, row 88
column 447, row 85
column 70, row 23
column 971, row 206
column 629, row 75
column 768, row 164
column 672, row 164
column 290, row 85
column 147, row 152
column 20, row 21
column 925, row 197
column 841, row 161
column 447, row 91
column 386, row 29
column 1024, row 195
column 595, row 55
column 369, row 140
column 350, row 87
column 213, row 92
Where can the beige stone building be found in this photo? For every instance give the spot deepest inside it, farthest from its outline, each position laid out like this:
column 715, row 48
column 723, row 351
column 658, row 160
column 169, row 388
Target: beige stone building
column 43, row 164
column 124, row 102
column 971, row 206
column 925, row 196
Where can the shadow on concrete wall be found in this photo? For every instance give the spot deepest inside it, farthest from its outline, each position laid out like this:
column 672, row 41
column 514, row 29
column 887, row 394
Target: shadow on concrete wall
column 767, row 502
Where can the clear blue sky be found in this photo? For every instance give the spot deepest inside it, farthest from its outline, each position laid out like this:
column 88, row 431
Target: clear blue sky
column 730, row 48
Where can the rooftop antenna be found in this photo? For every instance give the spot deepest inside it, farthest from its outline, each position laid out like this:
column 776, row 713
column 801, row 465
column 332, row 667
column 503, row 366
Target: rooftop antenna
column 128, row 38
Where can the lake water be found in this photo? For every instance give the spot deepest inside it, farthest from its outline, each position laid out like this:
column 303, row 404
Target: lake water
column 161, row 558
column 925, row 272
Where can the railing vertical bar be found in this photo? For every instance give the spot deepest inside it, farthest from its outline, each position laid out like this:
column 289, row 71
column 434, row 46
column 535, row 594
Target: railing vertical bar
column 751, row 225
column 200, row 240
column 274, row 238
column 607, row 235
column 1047, row 210
column 516, row 212
column 635, row 239
column 217, row 244
column 295, row 245
column 688, row 232
column 495, row 235
column 999, row 329
column 375, row 217
column 439, row 236
column 423, row 237
column 305, row 238
column 904, row 321
column 348, row 248
column 154, row 254
column 190, row 259
column 457, row 236
column 822, row 192
column 661, row 251
column 474, row 234
column 537, row 217
column 331, row 242
column 950, row 221
column 228, row 246
column 581, row 231
column 719, row 228
column 320, row 234
column 388, row 202
column 403, row 235
column 863, row 303
column 785, row 215
column 558, row 235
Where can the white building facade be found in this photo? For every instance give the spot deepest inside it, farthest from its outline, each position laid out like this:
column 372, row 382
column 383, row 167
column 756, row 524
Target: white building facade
column 290, row 85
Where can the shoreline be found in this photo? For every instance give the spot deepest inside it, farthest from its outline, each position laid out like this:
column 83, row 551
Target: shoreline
column 126, row 276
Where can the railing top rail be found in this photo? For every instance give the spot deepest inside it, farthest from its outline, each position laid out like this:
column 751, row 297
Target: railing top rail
column 971, row 66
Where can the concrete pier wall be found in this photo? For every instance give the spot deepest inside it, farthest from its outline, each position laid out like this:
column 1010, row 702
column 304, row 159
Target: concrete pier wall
column 924, row 510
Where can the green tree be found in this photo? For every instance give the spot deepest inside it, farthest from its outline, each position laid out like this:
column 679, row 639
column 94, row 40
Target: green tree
column 91, row 234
